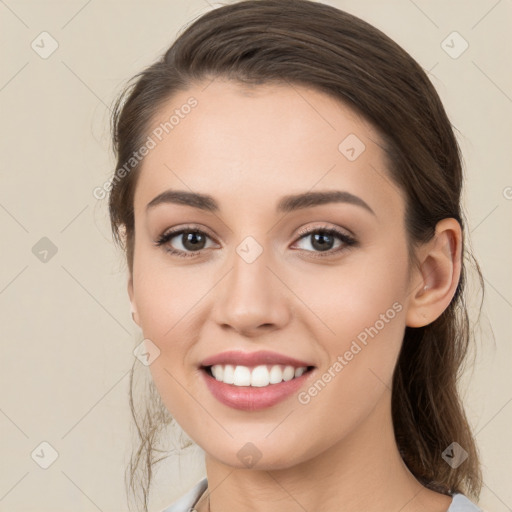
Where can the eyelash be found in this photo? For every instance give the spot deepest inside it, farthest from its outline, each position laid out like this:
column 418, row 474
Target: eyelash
column 346, row 239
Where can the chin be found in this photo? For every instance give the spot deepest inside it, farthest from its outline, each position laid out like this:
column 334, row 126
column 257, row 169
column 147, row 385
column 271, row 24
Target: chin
column 257, row 455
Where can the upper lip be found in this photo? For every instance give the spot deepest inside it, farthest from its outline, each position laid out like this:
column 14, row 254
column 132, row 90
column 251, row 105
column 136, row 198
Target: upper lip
column 238, row 357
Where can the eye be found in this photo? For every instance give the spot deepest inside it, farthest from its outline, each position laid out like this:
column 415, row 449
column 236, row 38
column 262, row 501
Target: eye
column 188, row 237
column 323, row 238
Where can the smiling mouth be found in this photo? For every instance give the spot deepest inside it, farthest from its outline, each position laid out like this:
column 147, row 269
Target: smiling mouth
column 255, row 376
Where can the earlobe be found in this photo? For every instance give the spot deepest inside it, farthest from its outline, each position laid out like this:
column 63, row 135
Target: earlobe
column 135, row 315
column 435, row 282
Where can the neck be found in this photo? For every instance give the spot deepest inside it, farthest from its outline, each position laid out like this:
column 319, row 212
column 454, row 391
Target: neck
column 363, row 471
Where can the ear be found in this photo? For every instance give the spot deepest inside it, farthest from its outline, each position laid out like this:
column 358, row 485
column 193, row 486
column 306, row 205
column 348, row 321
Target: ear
column 434, row 283
column 135, row 315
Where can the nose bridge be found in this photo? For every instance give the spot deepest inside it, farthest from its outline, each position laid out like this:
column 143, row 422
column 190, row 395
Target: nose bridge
column 251, row 296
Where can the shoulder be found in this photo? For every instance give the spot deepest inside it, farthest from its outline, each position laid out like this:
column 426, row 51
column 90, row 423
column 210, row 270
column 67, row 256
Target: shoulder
column 189, row 499
column 461, row 503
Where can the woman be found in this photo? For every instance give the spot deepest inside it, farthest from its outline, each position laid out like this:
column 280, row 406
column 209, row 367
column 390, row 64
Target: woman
column 288, row 195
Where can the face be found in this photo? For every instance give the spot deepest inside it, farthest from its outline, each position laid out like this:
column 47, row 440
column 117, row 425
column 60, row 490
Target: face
column 258, row 273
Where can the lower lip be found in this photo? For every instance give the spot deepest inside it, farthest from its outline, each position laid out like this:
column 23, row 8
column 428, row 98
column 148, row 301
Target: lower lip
column 253, row 398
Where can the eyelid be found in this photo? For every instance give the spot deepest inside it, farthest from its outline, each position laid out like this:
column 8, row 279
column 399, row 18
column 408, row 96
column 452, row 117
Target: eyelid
column 326, row 227
column 176, row 230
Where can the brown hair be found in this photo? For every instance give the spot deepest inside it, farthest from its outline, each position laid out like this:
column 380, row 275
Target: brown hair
column 315, row 45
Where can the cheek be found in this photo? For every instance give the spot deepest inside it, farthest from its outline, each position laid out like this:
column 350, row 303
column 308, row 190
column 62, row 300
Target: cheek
column 361, row 305
column 168, row 302
column 356, row 294
column 166, row 296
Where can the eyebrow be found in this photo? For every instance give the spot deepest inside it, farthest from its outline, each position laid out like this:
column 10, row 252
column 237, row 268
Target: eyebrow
column 286, row 204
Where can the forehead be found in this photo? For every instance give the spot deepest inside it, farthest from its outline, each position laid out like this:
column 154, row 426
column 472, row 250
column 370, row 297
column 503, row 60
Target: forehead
column 237, row 142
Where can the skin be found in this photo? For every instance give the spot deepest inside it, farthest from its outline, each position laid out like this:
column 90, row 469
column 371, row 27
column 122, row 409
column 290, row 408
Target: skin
column 247, row 148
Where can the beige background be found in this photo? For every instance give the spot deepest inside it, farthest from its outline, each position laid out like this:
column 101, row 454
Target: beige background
column 66, row 331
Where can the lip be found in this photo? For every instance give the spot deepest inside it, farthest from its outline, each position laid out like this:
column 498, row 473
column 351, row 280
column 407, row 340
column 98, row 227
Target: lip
column 252, row 398
column 239, row 357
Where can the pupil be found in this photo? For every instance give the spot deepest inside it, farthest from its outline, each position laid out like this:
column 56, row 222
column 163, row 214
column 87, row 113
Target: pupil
column 322, row 245
column 192, row 238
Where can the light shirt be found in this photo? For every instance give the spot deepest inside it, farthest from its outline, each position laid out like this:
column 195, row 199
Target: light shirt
column 460, row 503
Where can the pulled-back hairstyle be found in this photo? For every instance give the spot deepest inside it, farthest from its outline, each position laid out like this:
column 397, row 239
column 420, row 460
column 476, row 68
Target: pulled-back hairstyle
column 315, row 45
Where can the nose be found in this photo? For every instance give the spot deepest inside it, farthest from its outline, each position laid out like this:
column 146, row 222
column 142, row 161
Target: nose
column 251, row 299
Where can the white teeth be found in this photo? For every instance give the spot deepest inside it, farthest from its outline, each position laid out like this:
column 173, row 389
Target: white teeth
column 242, row 376
column 228, row 375
column 299, row 371
column 289, row 373
column 276, row 375
column 258, row 376
column 218, row 371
